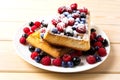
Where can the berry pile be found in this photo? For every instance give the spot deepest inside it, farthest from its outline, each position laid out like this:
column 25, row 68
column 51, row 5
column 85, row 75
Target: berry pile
column 33, row 26
column 71, row 21
column 97, row 50
column 71, row 59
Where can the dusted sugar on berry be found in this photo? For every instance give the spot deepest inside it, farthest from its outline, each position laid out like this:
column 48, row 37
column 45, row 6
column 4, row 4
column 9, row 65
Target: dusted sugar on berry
column 71, row 25
column 73, row 17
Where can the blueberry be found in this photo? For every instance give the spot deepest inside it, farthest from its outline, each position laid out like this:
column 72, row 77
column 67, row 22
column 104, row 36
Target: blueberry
column 105, row 43
column 37, row 59
column 96, row 48
column 54, row 30
column 37, row 50
column 25, row 35
column 74, row 28
column 69, row 16
column 98, row 36
column 93, row 30
column 70, row 64
column 93, row 41
column 42, row 54
column 91, row 51
column 98, row 58
column 83, row 20
column 64, row 64
column 68, row 34
column 76, row 61
column 44, row 23
column 76, row 23
column 31, row 24
column 31, row 48
column 42, row 35
column 66, row 13
column 82, row 15
column 77, row 20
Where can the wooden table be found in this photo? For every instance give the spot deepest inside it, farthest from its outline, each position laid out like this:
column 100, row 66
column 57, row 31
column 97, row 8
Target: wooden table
column 14, row 13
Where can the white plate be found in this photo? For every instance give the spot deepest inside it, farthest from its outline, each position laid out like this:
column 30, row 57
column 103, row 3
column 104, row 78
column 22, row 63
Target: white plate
column 24, row 53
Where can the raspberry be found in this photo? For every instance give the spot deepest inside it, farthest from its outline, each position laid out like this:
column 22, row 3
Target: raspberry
column 61, row 9
column 37, row 23
column 92, row 37
column 60, row 26
column 100, row 39
column 91, row 59
column 76, row 54
column 22, row 40
column 73, row 6
column 81, row 30
column 33, row 28
column 54, row 22
column 69, row 9
column 66, row 58
column 34, row 54
column 85, row 10
column 98, row 43
column 71, row 21
column 26, row 30
column 46, row 60
column 102, row 52
column 94, row 34
column 57, row 62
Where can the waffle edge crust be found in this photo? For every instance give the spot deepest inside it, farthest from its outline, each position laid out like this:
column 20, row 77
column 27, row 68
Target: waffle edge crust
column 35, row 40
